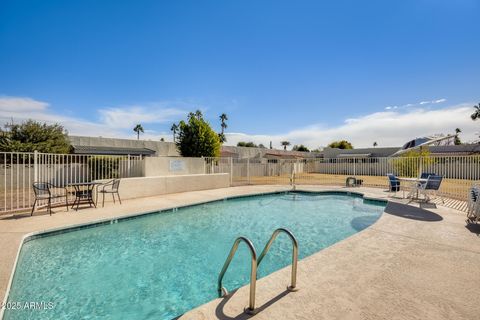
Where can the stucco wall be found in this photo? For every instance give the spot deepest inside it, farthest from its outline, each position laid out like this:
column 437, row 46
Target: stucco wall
column 152, row 186
column 168, row 166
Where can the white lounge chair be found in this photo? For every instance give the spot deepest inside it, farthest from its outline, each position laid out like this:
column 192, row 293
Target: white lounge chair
column 473, row 213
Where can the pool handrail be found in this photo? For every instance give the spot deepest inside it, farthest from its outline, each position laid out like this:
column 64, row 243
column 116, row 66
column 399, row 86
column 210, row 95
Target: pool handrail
column 293, row 284
column 222, row 291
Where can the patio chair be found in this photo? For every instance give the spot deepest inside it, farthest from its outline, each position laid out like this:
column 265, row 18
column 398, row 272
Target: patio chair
column 109, row 187
column 473, row 210
column 48, row 191
column 425, row 175
column 394, row 183
column 431, row 186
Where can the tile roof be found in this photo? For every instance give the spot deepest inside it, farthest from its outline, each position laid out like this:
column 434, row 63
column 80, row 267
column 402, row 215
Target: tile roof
column 112, row 150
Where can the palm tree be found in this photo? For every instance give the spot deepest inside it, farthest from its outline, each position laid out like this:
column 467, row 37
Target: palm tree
column 456, row 139
column 375, row 144
column 476, row 114
column 174, row 129
column 223, row 117
column 285, row 144
column 138, row 128
column 222, row 137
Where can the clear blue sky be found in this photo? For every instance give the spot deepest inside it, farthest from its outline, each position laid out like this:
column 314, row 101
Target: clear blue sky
column 273, row 66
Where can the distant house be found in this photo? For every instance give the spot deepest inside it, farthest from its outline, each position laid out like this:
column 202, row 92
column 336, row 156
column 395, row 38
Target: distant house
column 279, row 154
column 113, row 146
column 229, row 154
column 112, row 151
column 451, row 150
column 110, row 146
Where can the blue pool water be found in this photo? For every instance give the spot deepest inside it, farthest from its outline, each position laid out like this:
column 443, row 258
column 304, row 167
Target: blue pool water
column 161, row 265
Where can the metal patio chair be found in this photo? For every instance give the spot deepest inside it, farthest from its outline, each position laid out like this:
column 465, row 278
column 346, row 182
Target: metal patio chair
column 109, row 187
column 431, row 186
column 394, row 183
column 48, row 191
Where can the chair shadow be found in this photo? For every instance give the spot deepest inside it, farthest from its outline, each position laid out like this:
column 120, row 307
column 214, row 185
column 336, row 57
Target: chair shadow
column 473, row 228
column 40, row 212
column 222, row 316
column 410, row 212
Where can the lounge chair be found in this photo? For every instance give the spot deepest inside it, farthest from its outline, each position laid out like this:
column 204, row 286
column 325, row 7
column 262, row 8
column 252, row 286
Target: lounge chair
column 48, row 191
column 109, row 187
column 473, row 212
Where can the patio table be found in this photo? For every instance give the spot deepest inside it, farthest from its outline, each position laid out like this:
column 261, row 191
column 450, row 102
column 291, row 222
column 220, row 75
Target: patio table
column 413, row 194
column 83, row 193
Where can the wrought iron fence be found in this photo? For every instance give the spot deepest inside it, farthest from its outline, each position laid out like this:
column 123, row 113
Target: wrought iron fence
column 459, row 172
column 18, row 171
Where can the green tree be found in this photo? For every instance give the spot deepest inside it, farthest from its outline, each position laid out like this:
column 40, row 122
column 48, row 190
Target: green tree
column 476, row 113
column 138, row 128
column 261, row 145
column 456, row 139
column 342, row 144
column 411, row 162
column 246, row 144
column 300, row 148
column 285, row 144
column 196, row 138
column 32, row 135
column 174, row 129
column 104, row 167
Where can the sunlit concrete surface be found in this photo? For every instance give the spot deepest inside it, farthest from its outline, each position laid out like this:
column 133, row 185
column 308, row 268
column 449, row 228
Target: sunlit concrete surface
column 413, row 263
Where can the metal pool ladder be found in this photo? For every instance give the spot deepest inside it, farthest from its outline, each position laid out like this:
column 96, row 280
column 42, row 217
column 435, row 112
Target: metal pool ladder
column 222, row 291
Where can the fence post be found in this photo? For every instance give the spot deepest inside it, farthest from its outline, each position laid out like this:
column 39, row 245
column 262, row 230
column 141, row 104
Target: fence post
column 35, row 166
column 248, row 170
column 231, row 171
column 128, row 166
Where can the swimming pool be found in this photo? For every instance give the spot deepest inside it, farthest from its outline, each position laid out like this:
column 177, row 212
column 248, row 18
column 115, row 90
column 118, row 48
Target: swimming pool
column 159, row 266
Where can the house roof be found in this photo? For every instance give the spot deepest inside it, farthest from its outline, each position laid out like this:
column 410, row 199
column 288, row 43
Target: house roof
column 112, row 150
column 226, row 153
column 354, row 155
column 453, row 149
column 274, row 154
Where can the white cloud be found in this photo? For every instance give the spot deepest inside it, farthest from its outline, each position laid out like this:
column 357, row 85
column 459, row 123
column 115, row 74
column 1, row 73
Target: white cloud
column 421, row 103
column 392, row 127
column 129, row 116
column 21, row 104
column 112, row 122
column 387, row 128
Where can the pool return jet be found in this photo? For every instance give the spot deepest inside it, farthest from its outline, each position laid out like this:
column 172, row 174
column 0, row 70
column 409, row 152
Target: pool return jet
column 222, row 291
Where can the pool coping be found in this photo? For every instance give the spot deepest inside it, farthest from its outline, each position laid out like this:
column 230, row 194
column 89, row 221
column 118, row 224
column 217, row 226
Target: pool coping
column 106, row 221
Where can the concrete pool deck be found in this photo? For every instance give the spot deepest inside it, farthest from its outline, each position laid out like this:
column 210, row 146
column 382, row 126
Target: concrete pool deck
column 412, row 263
